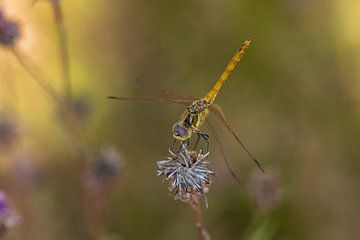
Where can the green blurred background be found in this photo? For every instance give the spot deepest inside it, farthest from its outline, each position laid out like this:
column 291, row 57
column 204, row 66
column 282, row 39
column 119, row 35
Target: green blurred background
column 294, row 100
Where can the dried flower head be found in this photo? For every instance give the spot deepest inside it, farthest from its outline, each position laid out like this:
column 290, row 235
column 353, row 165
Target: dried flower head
column 9, row 31
column 189, row 173
column 265, row 189
column 107, row 164
column 106, row 167
column 81, row 108
column 8, row 130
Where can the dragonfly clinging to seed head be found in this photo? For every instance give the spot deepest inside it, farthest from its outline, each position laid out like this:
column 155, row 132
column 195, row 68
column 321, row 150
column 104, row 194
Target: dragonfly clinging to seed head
column 197, row 110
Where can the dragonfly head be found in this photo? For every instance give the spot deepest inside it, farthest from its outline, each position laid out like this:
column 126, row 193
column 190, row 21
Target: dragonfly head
column 180, row 132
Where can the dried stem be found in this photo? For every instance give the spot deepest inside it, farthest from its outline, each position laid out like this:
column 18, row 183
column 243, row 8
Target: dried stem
column 36, row 74
column 70, row 125
column 201, row 232
column 63, row 47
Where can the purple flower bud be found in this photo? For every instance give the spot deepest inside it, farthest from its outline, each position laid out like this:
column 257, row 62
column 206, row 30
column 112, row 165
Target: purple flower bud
column 8, row 215
column 9, row 31
column 4, row 206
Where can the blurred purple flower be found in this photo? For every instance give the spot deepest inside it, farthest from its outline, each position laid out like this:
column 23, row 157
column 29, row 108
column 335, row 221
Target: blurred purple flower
column 4, row 206
column 8, row 130
column 265, row 189
column 189, row 173
column 8, row 215
column 9, row 31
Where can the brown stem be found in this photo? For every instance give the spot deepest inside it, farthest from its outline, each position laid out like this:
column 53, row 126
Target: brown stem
column 36, row 74
column 201, row 232
column 63, row 47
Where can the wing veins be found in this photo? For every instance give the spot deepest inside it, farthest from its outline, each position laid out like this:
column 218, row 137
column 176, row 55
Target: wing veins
column 165, row 91
column 216, row 109
column 222, row 150
column 153, row 100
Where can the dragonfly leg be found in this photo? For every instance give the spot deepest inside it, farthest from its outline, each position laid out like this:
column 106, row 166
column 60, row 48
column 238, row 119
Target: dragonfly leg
column 205, row 147
column 187, row 141
column 197, row 141
column 205, row 137
column 173, row 145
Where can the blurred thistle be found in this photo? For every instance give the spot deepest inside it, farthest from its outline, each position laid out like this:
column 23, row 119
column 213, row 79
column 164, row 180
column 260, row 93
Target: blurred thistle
column 8, row 130
column 106, row 167
column 9, row 31
column 78, row 111
column 8, row 215
column 189, row 174
column 265, row 189
column 107, row 164
column 81, row 108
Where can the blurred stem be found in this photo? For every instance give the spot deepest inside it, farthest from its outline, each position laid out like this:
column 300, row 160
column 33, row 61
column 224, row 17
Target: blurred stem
column 97, row 204
column 201, row 232
column 36, row 74
column 63, row 48
column 259, row 224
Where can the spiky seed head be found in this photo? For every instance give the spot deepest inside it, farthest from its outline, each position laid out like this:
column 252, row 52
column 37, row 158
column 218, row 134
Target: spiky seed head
column 188, row 173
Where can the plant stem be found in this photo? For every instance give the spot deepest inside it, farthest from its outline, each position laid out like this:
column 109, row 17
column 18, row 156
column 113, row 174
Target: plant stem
column 63, row 47
column 201, row 232
column 37, row 75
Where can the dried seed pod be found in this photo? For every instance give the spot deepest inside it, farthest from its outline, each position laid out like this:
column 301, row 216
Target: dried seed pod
column 188, row 172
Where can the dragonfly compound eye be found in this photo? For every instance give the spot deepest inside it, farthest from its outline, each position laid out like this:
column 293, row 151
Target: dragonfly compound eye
column 180, row 131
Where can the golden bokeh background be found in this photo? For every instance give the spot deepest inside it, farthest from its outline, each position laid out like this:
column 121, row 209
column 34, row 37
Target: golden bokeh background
column 293, row 99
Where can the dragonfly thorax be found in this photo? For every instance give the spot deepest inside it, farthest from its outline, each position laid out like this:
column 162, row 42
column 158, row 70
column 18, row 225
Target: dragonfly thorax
column 193, row 118
column 198, row 106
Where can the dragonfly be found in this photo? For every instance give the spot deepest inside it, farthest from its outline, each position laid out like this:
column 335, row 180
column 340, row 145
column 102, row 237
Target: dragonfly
column 198, row 109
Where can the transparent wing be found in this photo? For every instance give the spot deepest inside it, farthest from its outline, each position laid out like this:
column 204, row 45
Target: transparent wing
column 210, row 125
column 153, row 100
column 164, row 91
column 218, row 112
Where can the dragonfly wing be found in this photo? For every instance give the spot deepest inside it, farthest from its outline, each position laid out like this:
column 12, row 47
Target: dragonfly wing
column 153, row 100
column 166, row 92
column 221, row 147
column 218, row 112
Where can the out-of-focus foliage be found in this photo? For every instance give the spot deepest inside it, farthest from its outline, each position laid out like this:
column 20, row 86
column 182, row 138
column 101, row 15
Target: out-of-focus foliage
column 294, row 100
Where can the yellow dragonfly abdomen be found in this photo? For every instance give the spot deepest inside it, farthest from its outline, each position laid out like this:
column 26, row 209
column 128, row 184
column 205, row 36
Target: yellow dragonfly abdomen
column 210, row 97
